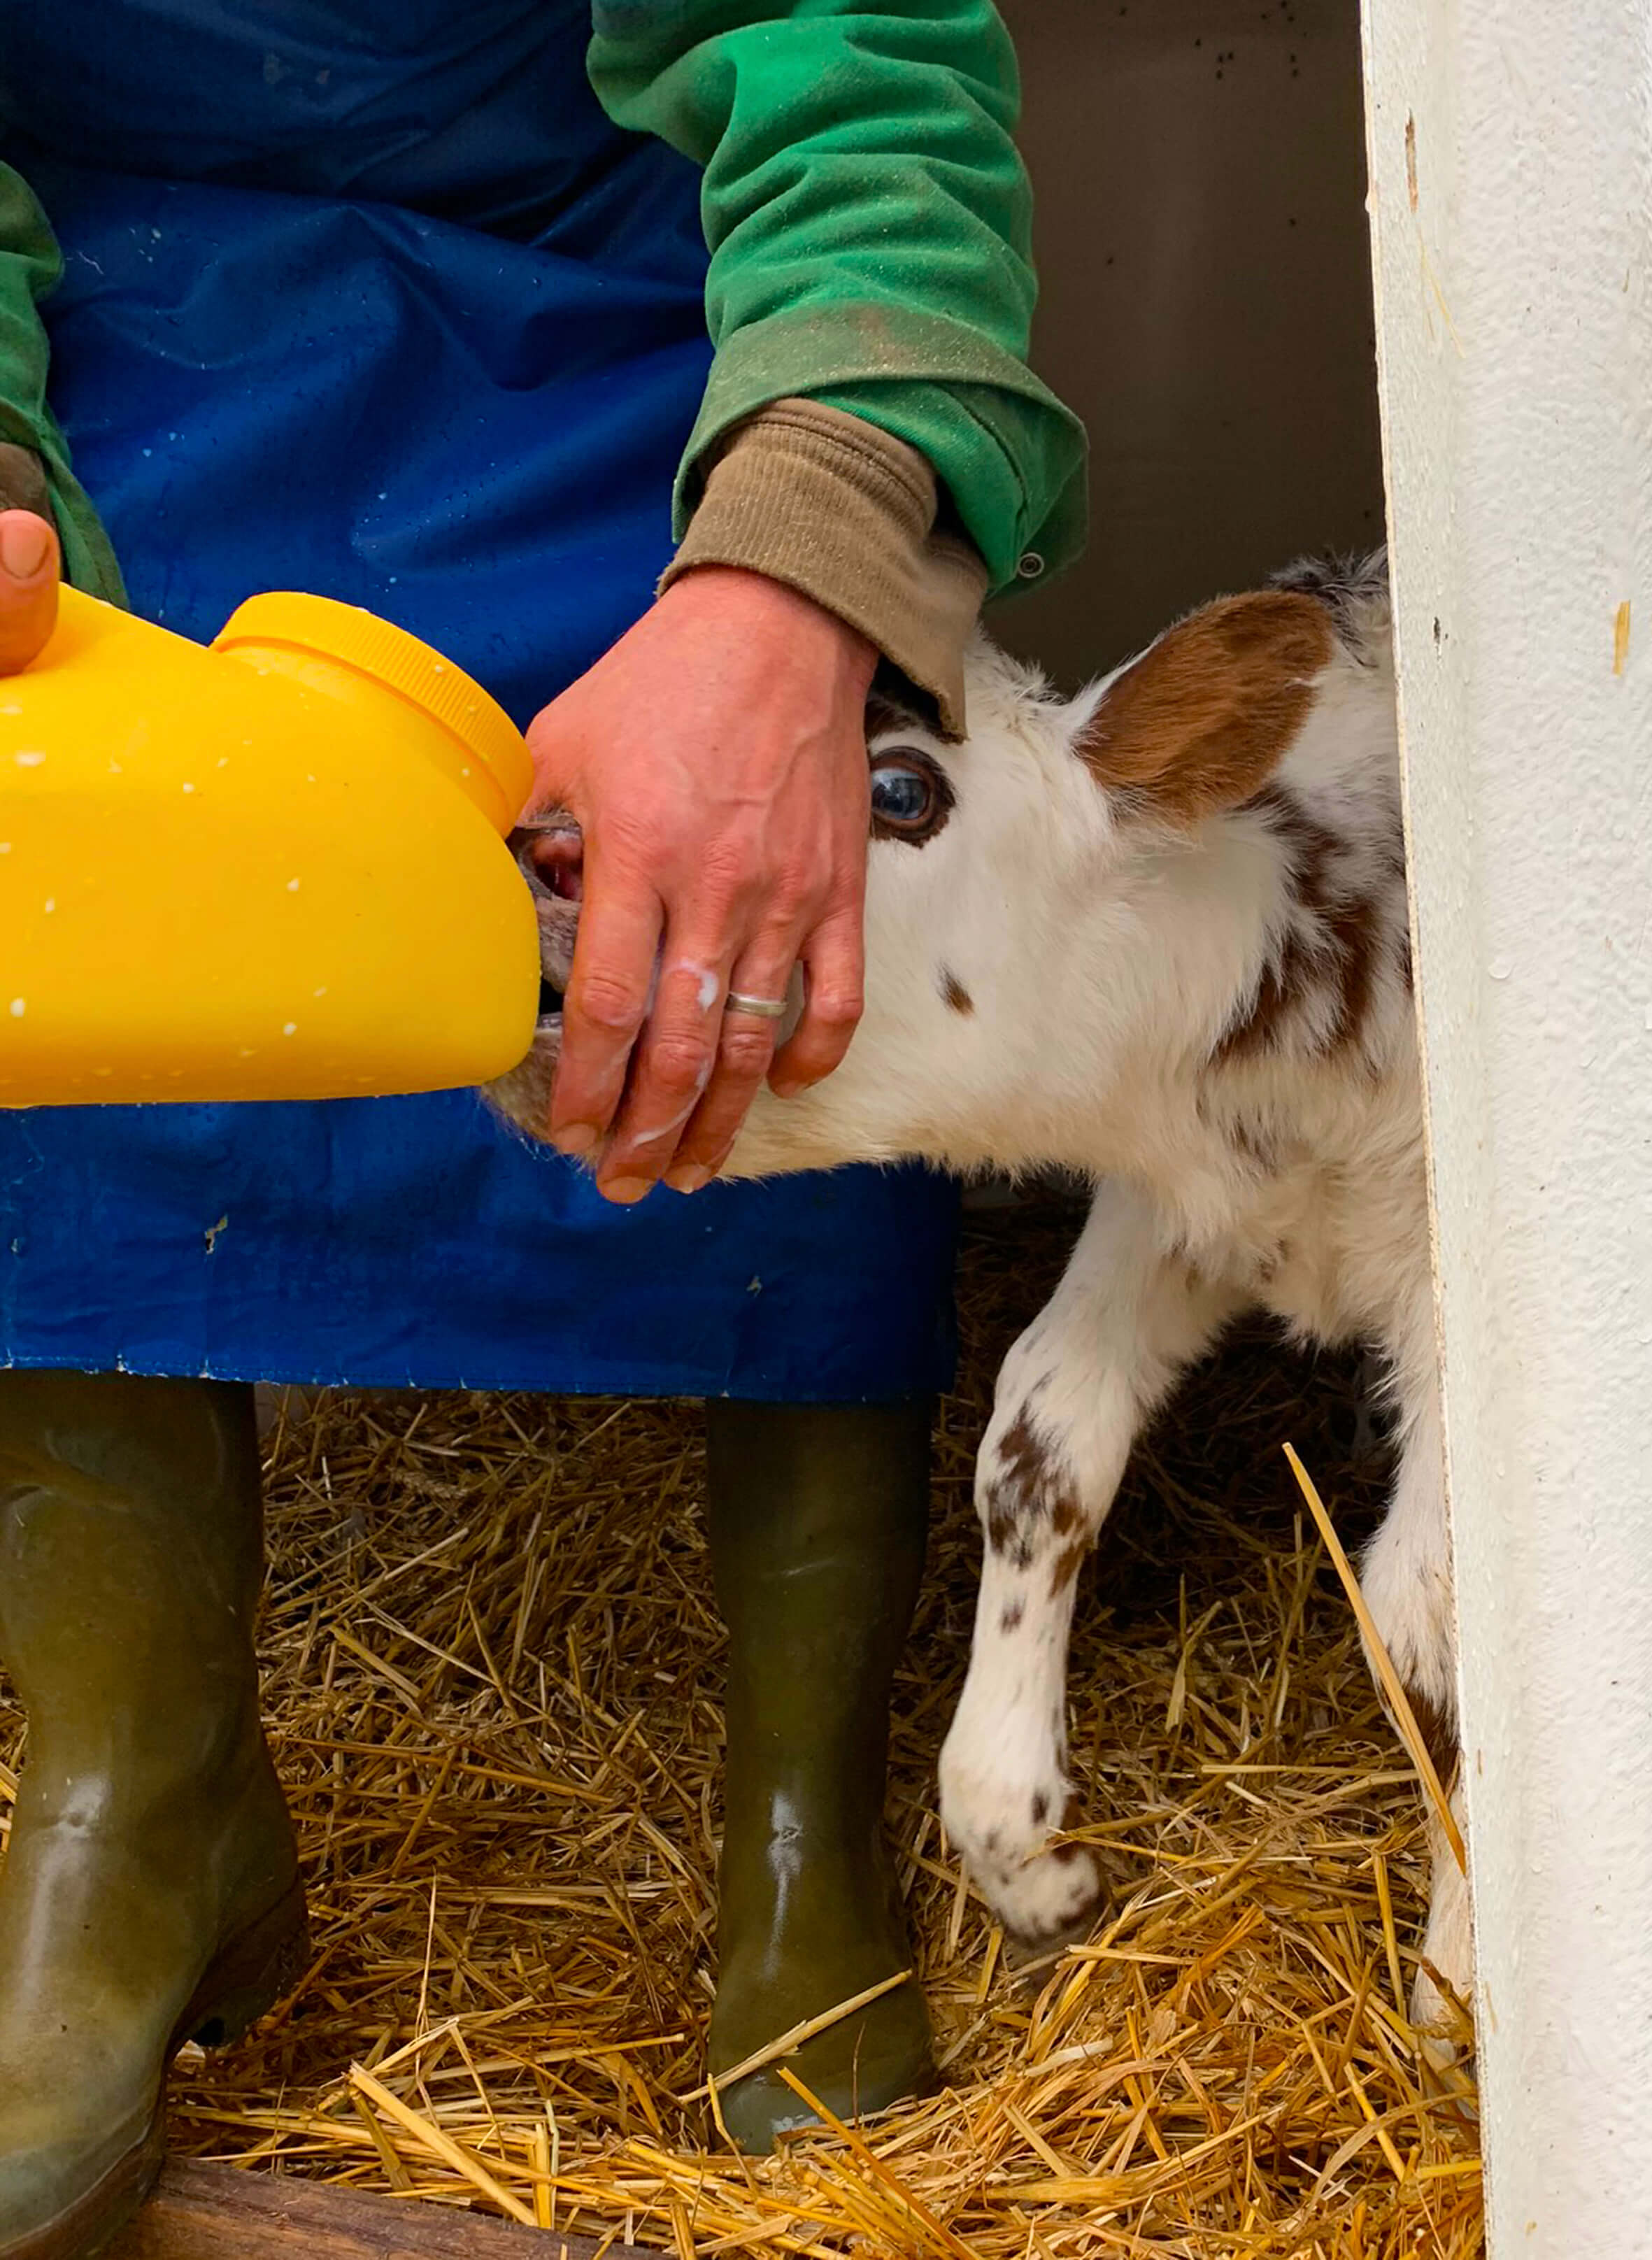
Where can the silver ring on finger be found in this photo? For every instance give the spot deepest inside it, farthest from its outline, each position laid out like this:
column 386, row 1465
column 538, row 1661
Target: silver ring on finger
column 761, row 1008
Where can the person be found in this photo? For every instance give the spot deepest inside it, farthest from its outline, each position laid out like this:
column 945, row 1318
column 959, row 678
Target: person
column 408, row 305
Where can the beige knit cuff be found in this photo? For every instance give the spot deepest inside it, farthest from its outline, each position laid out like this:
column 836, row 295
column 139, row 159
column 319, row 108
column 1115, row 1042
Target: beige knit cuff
column 845, row 514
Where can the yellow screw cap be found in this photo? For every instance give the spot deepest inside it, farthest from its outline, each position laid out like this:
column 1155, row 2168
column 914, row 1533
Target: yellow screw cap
column 389, row 655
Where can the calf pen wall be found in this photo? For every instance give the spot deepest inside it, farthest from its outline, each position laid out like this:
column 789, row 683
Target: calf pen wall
column 1512, row 168
column 1199, row 168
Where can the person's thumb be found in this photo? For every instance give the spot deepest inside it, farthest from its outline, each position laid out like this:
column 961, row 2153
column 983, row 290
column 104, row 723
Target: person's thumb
column 28, row 587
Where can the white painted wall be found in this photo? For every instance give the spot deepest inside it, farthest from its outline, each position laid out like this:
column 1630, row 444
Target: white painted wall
column 1511, row 163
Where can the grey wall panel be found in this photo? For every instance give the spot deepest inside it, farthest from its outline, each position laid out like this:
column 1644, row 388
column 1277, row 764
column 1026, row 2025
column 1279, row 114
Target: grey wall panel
column 1200, row 173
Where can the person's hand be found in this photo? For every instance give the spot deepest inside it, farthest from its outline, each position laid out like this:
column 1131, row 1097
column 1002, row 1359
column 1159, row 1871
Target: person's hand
column 716, row 760
column 28, row 587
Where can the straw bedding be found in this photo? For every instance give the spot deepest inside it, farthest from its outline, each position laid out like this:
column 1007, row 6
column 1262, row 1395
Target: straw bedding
column 493, row 1676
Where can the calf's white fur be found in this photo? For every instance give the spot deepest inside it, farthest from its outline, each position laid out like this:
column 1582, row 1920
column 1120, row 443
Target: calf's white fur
column 1157, row 933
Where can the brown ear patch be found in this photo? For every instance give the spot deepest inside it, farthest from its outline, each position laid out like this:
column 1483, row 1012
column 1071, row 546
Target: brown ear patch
column 1203, row 716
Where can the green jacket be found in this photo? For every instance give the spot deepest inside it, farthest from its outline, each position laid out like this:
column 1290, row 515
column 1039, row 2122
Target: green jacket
column 867, row 217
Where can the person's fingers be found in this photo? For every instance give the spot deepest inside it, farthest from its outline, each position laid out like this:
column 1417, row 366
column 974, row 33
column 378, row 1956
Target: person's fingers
column 608, row 999
column 834, row 967
column 739, row 839
column 831, row 962
column 673, row 1063
column 28, row 587
column 744, row 1046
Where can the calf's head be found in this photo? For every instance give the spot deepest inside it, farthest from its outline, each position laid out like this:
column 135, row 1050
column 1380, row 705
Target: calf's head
column 1039, row 911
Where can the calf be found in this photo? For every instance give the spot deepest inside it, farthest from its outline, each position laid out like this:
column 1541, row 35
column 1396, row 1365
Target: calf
column 1157, row 933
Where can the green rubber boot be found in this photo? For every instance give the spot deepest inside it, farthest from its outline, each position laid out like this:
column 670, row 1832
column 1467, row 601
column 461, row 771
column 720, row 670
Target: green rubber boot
column 818, row 1521
column 150, row 1893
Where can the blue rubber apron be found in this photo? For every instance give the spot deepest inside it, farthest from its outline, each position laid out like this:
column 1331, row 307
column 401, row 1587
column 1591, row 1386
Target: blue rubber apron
column 372, row 299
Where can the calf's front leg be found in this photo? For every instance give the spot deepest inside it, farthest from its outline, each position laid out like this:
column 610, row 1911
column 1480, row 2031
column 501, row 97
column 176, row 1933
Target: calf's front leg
column 1103, row 1353
column 1407, row 1579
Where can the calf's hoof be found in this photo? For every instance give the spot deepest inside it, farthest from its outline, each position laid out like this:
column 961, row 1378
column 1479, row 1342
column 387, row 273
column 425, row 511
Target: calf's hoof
column 1050, row 1901
column 1444, row 2027
column 1442, row 1993
column 1045, row 1895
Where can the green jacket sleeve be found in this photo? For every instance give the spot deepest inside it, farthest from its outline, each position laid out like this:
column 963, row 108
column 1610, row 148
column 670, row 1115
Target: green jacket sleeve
column 869, row 219
column 30, row 265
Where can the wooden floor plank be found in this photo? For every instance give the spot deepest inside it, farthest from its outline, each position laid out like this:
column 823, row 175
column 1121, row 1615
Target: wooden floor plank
column 217, row 2213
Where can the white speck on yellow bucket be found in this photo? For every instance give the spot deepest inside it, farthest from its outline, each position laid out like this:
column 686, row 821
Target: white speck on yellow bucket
column 291, row 1029
column 51, row 905
column 29, row 760
column 18, row 1008
column 292, row 886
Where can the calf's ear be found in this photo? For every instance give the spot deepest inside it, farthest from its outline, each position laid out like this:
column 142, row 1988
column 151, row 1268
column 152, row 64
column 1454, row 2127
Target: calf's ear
column 1200, row 721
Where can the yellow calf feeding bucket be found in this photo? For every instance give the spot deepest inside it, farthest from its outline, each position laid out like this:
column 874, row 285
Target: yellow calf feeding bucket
column 274, row 869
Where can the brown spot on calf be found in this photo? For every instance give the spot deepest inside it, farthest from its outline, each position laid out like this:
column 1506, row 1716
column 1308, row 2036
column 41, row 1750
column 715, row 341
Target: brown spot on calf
column 1352, row 929
column 1328, row 949
column 1203, row 716
column 1255, row 1144
column 1031, row 1492
column 1439, row 1733
column 1284, row 983
column 958, row 998
column 1067, row 1565
column 1072, row 1817
column 1035, row 1477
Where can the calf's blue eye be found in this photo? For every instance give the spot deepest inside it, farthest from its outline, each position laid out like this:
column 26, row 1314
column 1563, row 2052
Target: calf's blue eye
column 903, row 796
